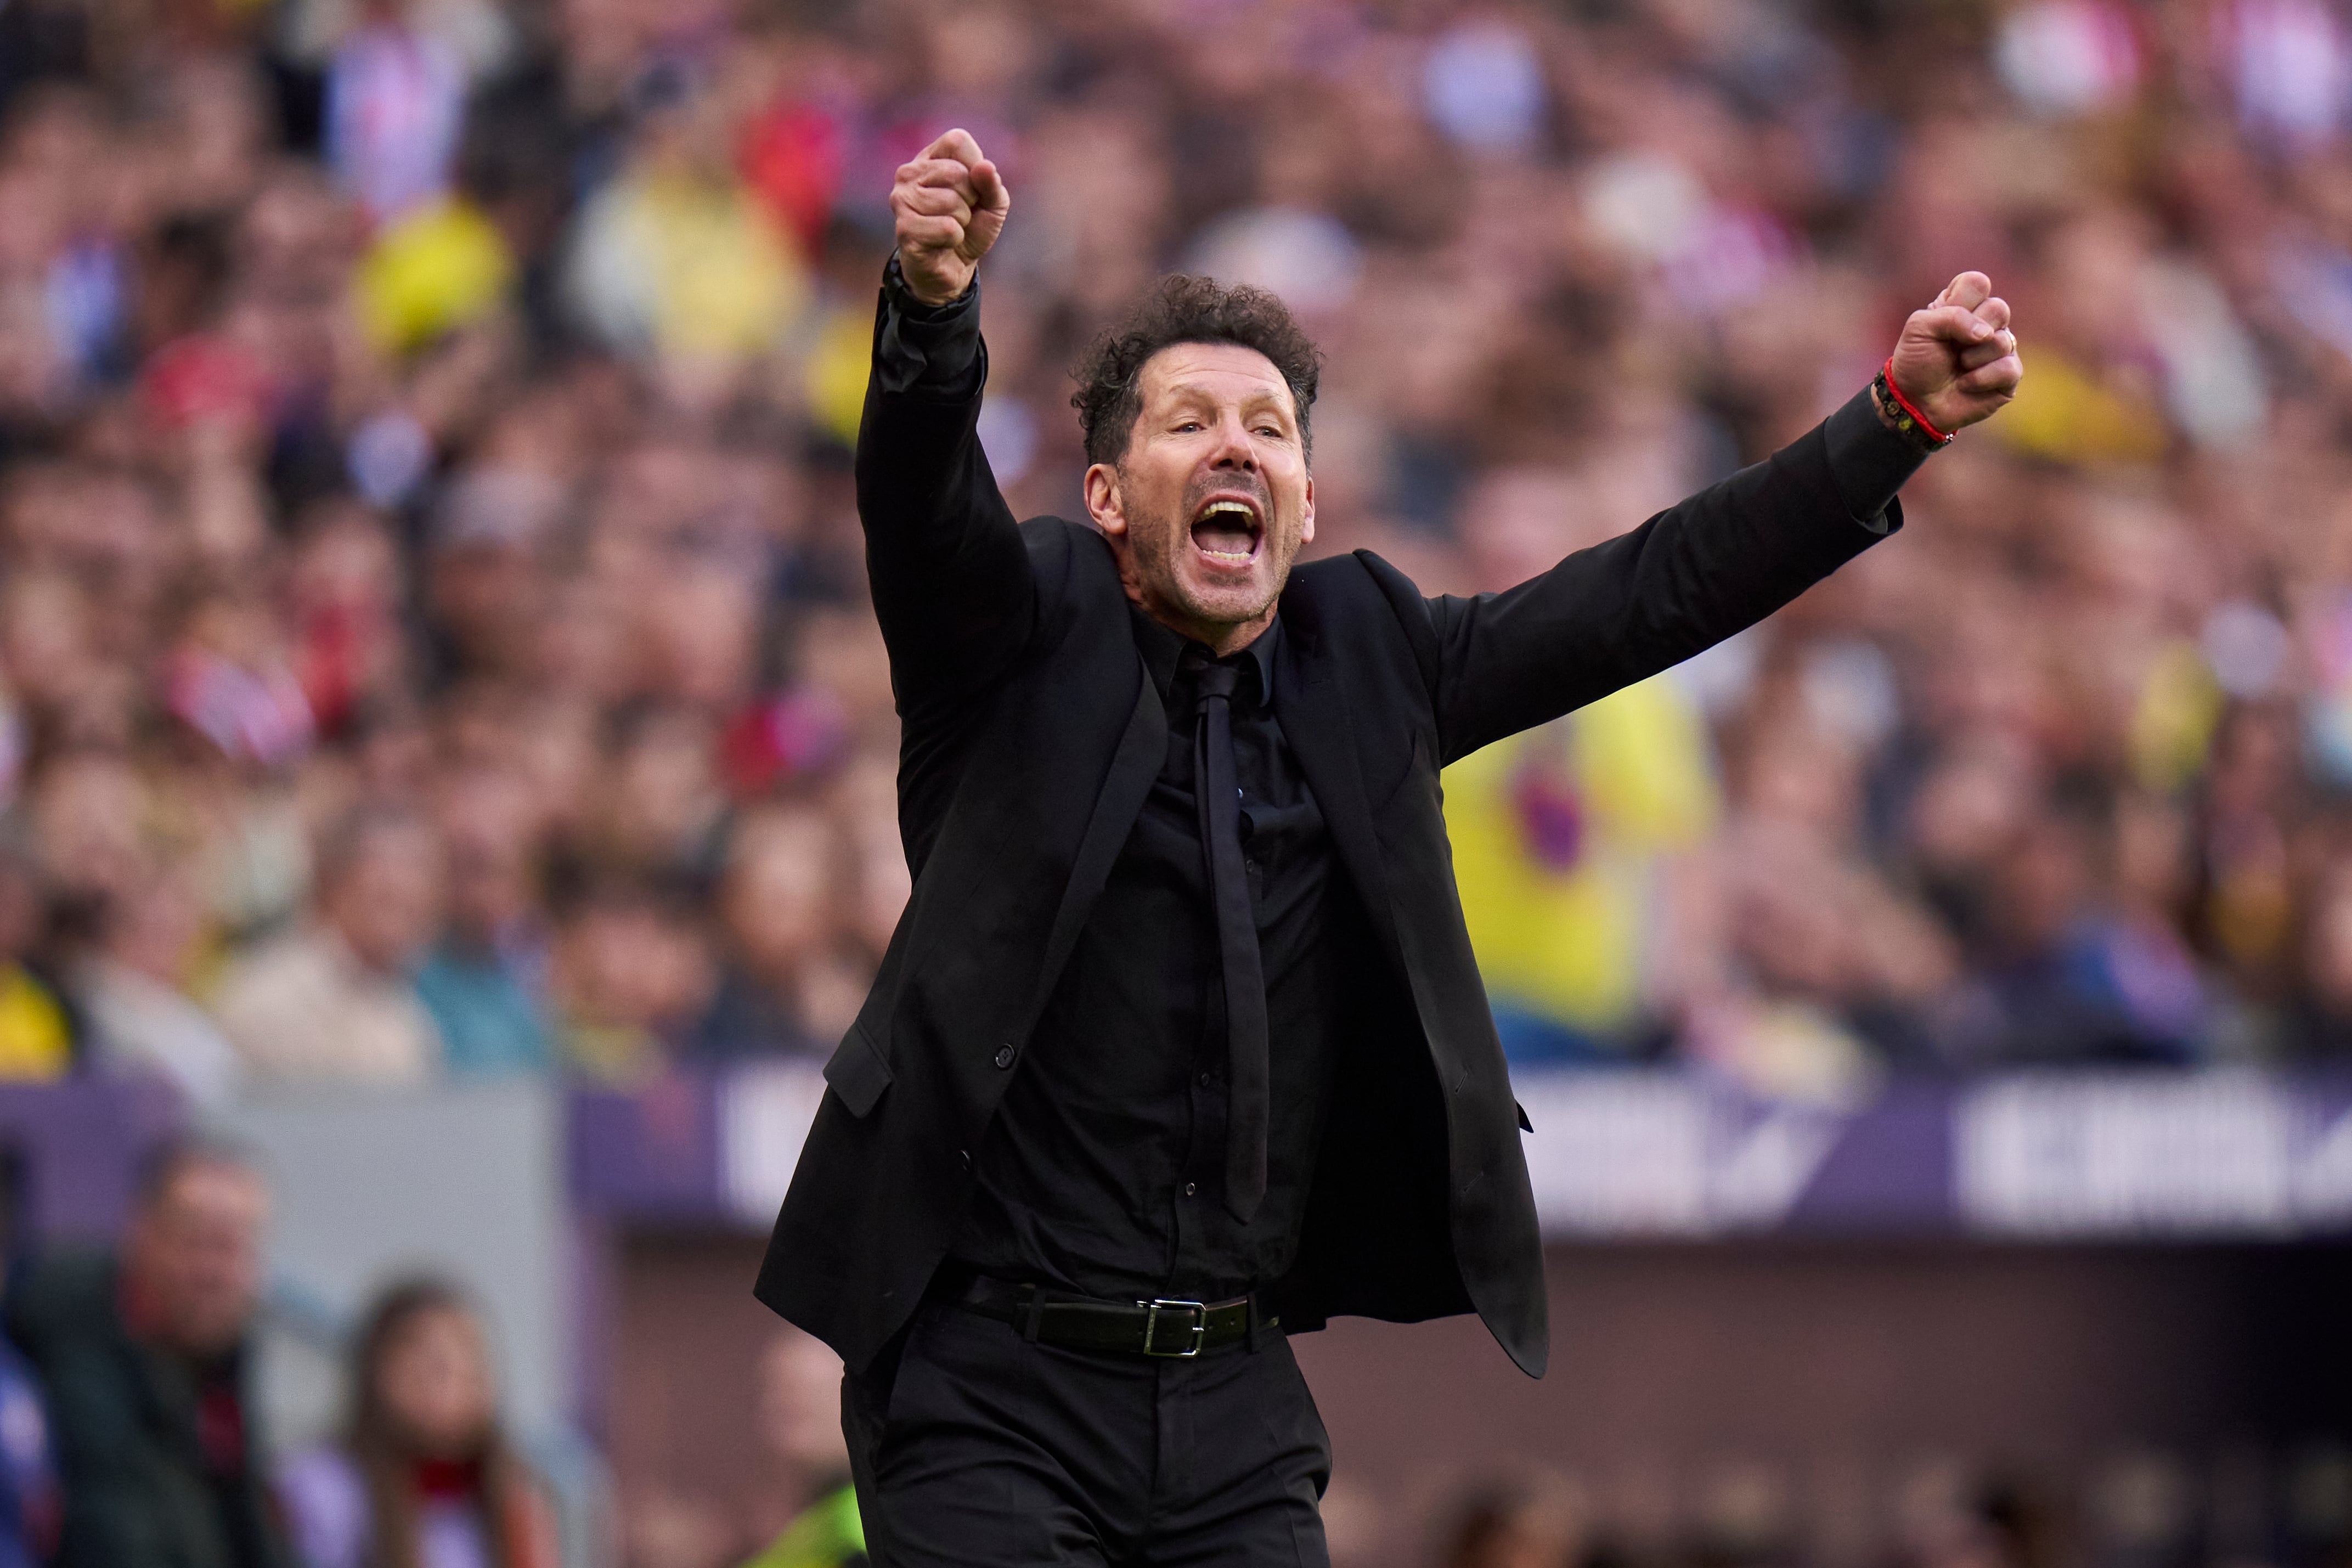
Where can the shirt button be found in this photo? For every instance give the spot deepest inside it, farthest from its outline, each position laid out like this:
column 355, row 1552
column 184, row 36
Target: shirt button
column 964, row 1155
column 1205, row 1078
column 1190, row 1189
column 1004, row 1054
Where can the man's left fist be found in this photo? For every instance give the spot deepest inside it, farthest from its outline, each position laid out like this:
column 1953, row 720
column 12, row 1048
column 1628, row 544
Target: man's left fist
column 1957, row 360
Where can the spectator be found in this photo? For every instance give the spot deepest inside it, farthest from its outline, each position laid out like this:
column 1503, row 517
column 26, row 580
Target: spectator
column 780, row 908
column 1565, row 838
column 800, row 1416
column 628, row 976
column 483, row 983
column 132, row 988
column 147, row 1358
column 422, row 1477
column 333, row 1002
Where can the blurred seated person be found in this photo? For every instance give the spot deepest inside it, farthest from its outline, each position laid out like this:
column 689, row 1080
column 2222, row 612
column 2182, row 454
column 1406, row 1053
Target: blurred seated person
column 1565, row 836
column 628, row 976
column 482, row 984
column 2086, row 968
column 146, row 1356
column 783, row 990
column 800, row 1419
column 37, row 1031
column 422, row 1477
column 132, row 989
column 334, row 1001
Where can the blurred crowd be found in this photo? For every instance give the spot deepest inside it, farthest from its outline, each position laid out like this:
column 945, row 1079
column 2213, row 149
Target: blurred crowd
column 432, row 624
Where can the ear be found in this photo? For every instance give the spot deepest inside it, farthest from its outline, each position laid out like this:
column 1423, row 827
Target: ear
column 1104, row 503
column 1307, row 521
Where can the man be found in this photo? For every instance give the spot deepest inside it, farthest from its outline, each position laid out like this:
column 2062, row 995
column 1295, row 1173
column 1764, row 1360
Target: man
column 145, row 1361
column 1179, row 1045
column 335, row 1001
column 800, row 1405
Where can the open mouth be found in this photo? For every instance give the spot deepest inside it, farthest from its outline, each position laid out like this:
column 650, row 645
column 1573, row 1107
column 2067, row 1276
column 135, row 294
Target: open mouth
column 1228, row 531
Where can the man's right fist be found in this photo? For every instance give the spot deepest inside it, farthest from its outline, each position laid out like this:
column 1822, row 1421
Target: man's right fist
column 950, row 204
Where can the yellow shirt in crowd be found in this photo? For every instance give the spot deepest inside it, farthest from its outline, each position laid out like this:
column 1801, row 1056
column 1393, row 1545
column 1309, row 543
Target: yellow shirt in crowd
column 1557, row 837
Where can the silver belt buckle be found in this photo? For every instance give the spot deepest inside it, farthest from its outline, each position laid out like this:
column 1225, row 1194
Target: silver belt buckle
column 1198, row 1328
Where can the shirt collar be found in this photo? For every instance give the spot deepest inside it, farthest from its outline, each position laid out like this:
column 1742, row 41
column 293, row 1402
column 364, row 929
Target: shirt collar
column 1163, row 651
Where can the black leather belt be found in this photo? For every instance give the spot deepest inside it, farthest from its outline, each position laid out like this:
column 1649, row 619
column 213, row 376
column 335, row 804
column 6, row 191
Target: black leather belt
column 1155, row 1328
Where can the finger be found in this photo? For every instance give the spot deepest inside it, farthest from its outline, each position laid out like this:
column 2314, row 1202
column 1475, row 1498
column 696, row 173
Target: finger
column 2001, row 375
column 957, row 145
column 1952, row 324
column 942, row 173
column 1976, row 355
column 936, row 201
column 1994, row 312
column 1968, row 290
column 923, row 233
column 988, row 187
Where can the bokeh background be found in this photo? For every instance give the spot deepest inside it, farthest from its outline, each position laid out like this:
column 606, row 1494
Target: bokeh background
column 443, row 739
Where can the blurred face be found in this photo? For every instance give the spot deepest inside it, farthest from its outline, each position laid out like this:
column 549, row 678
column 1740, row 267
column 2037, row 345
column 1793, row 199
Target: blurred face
column 195, row 1257
column 800, row 1405
column 387, row 903
column 780, row 893
column 1207, row 507
column 487, row 821
column 434, row 1380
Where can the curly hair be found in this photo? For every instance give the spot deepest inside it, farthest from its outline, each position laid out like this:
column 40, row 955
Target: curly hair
column 1183, row 308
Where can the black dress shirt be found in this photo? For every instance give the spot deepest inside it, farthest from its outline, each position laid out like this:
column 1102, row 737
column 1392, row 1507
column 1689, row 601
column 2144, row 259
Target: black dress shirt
column 1101, row 1172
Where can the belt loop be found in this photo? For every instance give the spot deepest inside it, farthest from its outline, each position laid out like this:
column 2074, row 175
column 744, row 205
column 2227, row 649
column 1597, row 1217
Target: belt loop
column 1259, row 1325
column 1030, row 1315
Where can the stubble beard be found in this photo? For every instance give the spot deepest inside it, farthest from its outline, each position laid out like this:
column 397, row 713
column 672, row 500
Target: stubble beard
column 1172, row 546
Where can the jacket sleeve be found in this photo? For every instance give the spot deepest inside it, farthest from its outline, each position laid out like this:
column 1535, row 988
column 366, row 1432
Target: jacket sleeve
column 113, row 1516
column 1689, row 578
column 950, row 576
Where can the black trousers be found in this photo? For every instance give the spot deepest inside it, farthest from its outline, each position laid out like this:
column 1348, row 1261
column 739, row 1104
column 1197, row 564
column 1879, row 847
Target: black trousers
column 980, row 1450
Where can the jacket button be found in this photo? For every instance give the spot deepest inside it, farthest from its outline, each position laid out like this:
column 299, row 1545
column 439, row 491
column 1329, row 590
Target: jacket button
column 964, row 1155
column 1005, row 1056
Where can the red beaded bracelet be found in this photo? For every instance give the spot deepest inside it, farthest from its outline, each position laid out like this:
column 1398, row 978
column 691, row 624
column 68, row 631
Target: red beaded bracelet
column 1887, row 379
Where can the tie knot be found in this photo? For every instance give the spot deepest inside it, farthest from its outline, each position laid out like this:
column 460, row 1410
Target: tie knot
column 1218, row 680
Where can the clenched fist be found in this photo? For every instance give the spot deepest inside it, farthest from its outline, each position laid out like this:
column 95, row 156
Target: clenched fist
column 1957, row 360
column 950, row 204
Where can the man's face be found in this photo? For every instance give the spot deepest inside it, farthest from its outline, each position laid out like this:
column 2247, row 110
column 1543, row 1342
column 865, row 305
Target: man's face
column 1212, row 501
column 195, row 1256
column 386, row 902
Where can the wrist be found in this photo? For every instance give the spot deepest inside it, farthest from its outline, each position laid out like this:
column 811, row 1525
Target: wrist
column 896, row 274
column 1902, row 415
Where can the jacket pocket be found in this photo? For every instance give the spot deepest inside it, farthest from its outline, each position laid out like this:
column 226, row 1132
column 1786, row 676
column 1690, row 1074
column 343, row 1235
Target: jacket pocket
column 857, row 1072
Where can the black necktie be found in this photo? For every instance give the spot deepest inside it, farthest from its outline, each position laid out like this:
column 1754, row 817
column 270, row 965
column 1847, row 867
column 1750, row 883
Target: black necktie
column 1219, row 796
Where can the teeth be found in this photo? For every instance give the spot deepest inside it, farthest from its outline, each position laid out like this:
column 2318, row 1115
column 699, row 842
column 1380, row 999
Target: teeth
column 1213, row 508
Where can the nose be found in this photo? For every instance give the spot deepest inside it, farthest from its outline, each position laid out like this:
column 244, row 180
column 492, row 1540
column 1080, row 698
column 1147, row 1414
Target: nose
column 1233, row 449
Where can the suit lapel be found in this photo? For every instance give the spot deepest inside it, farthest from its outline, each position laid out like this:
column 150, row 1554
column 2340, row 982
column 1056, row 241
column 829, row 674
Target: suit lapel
column 1142, row 750
column 1312, row 708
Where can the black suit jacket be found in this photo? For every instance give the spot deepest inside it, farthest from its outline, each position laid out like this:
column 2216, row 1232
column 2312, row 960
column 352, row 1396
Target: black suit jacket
column 1030, row 735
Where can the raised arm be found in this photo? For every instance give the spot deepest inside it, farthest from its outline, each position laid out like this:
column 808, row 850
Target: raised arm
column 1697, row 573
column 950, row 574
